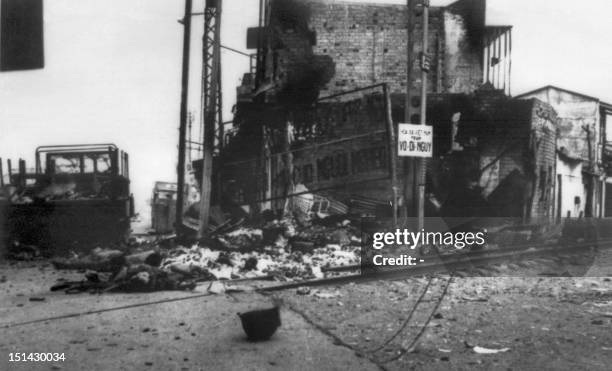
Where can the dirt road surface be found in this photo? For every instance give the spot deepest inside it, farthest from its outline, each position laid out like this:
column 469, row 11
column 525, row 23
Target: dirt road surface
column 528, row 323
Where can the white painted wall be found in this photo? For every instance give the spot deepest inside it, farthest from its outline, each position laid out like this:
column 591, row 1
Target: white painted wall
column 571, row 187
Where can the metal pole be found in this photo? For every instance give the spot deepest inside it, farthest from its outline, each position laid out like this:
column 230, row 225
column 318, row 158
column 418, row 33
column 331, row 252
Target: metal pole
column 409, row 163
column 1, row 174
column 189, row 146
column 22, row 172
column 510, row 64
column 180, row 193
column 260, row 44
column 209, row 127
column 392, row 151
column 10, row 171
column 422, row 164
column 220, row 128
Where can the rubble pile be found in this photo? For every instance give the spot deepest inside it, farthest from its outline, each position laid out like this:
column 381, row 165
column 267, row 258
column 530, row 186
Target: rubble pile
column 115, row 270
column 62, row 189
column 287, row 249
column 283, row 249
column 25, row 252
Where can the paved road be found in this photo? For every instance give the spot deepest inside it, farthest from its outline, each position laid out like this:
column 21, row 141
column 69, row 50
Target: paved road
column 547, row 323
column 201, row 333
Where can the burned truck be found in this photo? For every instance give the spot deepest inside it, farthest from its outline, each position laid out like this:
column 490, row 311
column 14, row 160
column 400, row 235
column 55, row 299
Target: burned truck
column 75, row 197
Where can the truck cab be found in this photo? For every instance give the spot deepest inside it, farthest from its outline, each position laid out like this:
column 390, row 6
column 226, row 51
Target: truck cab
column 77, row 196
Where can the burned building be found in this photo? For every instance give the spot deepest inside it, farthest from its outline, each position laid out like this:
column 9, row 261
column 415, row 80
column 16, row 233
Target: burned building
column 320, row 48
column 340, row 144
column 317, row 116
column 581, row 168
column 503, row 148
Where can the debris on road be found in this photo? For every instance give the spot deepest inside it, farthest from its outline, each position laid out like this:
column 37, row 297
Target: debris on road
column 260, row 325
column 100, row 260
column 281, row 248
column 23, row 252
column 289, row 249
column 474, row 298
column 481, row 350
column 115, row 270
column 327, row 295
column 216, row 287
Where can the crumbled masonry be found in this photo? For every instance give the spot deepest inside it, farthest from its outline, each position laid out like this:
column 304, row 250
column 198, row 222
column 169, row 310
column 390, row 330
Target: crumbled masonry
column 283, row 250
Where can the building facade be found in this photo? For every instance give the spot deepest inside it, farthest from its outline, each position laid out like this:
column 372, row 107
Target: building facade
column 315, row 107
column 316, row 48
column 582, row 137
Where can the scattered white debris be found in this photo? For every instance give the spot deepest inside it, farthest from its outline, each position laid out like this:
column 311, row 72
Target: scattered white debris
column 326, row 295
column 285, row 249
column 249, row 232
column 481, row 350
column 216, row 287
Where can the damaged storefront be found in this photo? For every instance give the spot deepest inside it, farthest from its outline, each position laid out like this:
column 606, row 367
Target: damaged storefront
column 326, row 155
column 495, row 156
column 312, row 120
column 582, row 139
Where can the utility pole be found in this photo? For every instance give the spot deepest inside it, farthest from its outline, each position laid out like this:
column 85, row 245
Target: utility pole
column 409, row 163
column 211, row 51
column 422, row 162
column 211, row 104
column 180, row 191
column 392, row 150
column 10, row 171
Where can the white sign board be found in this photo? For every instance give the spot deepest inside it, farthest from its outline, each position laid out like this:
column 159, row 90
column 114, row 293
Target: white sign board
column 415, row 140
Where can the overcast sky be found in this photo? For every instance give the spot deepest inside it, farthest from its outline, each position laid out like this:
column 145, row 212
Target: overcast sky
column 113, row 67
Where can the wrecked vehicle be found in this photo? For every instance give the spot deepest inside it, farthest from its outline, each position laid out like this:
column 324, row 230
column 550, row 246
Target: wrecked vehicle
column 76, row 194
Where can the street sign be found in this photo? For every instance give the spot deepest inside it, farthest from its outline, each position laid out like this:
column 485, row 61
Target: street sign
column 415, row 140
column 425, row 62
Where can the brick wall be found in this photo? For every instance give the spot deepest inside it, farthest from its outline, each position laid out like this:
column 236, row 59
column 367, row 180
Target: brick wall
column 366, row 44
column 544, row 126
column 575, row 111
